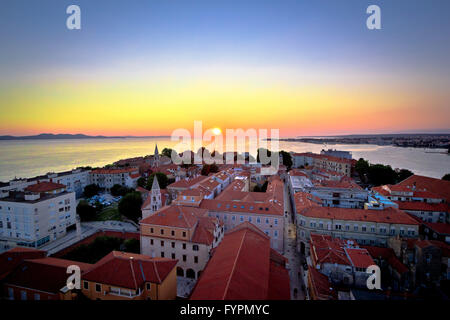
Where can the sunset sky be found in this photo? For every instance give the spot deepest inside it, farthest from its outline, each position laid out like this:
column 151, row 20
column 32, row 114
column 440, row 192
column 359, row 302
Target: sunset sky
column 149, row 67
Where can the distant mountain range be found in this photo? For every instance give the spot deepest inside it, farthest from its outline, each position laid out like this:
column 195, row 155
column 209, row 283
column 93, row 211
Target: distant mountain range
column 44, row 136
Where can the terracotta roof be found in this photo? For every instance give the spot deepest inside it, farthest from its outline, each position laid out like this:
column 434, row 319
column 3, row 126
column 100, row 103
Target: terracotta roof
column 240, row 269
column 10, row 259
column 359, row 257
column 387, row 215
column 263, row 208
column 175, row 216
column 343, row 183
column 442, row 228
column 325, row 249
column 187, row 183
column 321, row 286
column 44, row 274
column 113, row 171
column 422, row 206
column 436, row 186
column 388, row 255
column 45, row 186
column 129, row 270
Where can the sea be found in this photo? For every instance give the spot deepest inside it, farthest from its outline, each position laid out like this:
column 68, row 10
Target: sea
column 29, row 158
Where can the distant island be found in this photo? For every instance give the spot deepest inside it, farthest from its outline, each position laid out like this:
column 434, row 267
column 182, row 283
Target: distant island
column 412, row 140
column 51, row 136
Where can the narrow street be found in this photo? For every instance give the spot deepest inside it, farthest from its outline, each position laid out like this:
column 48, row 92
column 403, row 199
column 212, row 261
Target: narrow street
column 290, row 251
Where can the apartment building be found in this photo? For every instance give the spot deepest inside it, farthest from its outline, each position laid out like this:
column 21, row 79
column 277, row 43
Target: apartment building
column 75, row 180
column 426, row 198
column 107, row 178
column 323, row 162
column 184, row 233
column 370, row 227
column 263, row 209
column 41, row 213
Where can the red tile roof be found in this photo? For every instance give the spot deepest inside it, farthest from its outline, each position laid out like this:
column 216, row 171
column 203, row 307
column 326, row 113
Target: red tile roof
column 187, row 183
column 45, row 186
column 10, row 259
column 441, row 228
column 321, row 286
column 387, row 215
column 129, row 270
column 436, row 186
column 359, row 257
column 176, row 216
column 388, row 255
column 241, row 269
column 45, row 274
column 114, row 171
column 422, row 206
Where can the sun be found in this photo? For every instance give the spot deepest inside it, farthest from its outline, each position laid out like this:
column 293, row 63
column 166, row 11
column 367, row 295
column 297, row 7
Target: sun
column 216, row 131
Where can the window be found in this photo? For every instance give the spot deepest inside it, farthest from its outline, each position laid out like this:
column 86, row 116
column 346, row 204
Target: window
column 242, row 219
column 37, row 296
column 162, row 243
column 275, row 221
column 173, row 244
column 184, row 257
column 275, row 234
column 86, row 285
column 98, row 287
column 23, row 295
column 363, row 228
column 195, row 247
column 148, row 286
column 267, row 221
column 355, row 228
column 162, row 231
column 249, row 219
column 162, row 254
column 151, row 230
column 184, row 246
column 338, row 227
column 233, row 218
column 392, row 231
column 258, row 220
column 195, row 259
column 151, row 241
column 172, row 232
column 173, row 255
column 184, row 233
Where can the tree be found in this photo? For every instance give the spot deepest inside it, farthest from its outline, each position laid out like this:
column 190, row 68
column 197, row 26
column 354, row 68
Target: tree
column 209, row 168
column 132, row 245
column 287, row 159
column 446, row 177
column 91, row 190
column 130, row 206
column 162, row 180
column 118, row 190
column 362, row 168
column 86, row 211
column 167, row 152
column 141, row 182
column 380, row 174
column 403, row 174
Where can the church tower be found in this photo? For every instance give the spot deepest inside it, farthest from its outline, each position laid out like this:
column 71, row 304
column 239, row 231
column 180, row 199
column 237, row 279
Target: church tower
column 156, row 157
column 155, row 201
